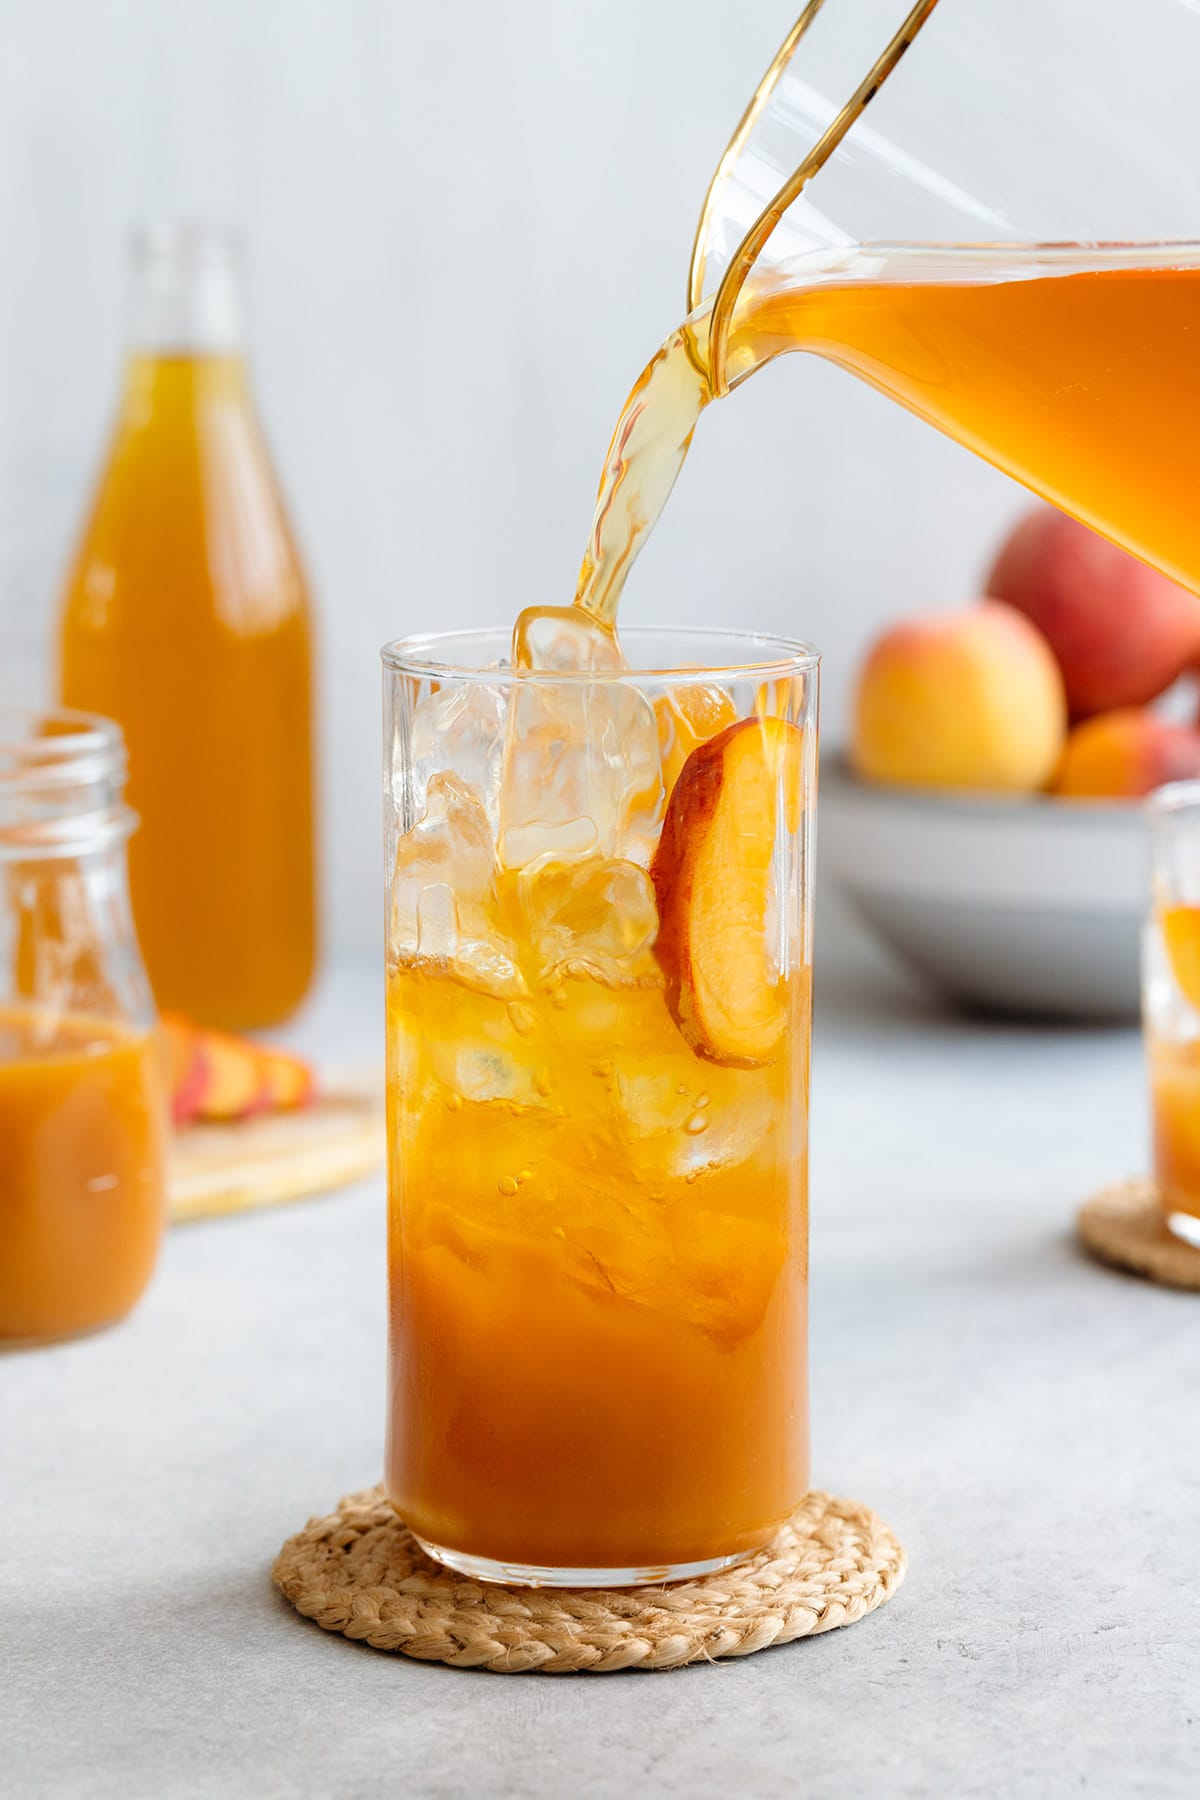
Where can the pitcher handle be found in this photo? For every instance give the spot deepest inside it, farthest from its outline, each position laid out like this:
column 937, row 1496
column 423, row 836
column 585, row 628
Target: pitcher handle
column 751, row 246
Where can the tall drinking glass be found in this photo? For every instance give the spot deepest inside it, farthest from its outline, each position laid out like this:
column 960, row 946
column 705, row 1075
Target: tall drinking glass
column 598, row 961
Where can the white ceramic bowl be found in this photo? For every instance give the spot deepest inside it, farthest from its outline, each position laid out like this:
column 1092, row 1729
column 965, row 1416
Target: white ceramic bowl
column 1019, row 904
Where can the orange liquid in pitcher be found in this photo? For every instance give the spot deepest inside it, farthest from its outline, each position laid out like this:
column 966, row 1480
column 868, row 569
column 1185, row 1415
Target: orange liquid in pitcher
column 1080, row 381
column 1082, row 385
column 187, row 620
column 598, row 1257
column 82, row 1171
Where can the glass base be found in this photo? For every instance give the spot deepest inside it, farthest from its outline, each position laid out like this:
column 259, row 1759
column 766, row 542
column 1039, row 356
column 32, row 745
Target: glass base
column 512, row 1574
column 1185, row 1226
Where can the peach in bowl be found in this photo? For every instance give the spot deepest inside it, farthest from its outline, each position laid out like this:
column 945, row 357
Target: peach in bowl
column 987, row 819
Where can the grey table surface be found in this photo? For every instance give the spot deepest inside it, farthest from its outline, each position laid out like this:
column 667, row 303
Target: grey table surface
column 1026, row 1420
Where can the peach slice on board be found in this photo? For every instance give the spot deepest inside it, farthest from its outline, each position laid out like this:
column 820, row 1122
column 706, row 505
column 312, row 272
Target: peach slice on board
column 289, row 1080
column 235, row 1085
column 186, row 1068
column 1181, row 935
column 712, row 876
column 215, row 1076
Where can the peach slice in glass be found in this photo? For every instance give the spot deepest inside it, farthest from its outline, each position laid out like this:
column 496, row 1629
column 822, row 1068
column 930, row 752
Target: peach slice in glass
column 1181, row 935
column 712, row 875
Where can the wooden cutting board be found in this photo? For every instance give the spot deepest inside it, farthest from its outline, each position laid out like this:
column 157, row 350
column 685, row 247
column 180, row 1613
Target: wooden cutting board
column 277, row 1157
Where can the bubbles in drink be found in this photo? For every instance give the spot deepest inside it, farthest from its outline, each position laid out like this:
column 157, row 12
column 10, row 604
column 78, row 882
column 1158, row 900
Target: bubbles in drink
column 679, row 1129
column 582, row 771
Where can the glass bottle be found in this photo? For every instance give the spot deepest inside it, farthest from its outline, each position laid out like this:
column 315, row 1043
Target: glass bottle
column 83, row 1103
column 186, row 618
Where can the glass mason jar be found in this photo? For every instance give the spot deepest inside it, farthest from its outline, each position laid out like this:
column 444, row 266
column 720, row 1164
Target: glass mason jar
column 186, row 618
column 598, row 966
column 1171, row 1001
column 83, row 1104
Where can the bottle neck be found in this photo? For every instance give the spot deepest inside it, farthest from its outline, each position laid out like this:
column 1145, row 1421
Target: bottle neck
column 185, row 296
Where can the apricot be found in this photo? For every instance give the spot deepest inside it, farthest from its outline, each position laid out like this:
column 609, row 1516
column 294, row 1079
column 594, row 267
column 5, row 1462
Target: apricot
column 971, row 699
column 1124, row 754
column 712, row 880
column 1122, row 631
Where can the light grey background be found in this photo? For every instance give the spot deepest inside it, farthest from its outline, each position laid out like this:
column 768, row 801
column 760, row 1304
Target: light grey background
column 469, row 225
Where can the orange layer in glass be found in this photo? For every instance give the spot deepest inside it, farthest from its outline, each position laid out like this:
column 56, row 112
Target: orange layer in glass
column 598, row 1277
column 1175, row 1098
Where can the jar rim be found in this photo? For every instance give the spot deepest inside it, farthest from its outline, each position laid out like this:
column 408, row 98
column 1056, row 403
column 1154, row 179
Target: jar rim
column 48, row 746
column 62, row 776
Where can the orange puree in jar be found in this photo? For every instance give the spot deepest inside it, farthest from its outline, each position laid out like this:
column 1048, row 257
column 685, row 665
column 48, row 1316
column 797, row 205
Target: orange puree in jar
column 82, row 1168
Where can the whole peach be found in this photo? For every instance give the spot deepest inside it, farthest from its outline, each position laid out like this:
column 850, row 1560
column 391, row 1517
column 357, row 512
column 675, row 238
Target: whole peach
column 1124, row 754
column 971, row 699
column 1122, row 632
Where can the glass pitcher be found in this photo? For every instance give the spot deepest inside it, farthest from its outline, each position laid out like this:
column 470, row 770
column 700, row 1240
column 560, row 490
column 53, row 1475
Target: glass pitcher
column 987, row 211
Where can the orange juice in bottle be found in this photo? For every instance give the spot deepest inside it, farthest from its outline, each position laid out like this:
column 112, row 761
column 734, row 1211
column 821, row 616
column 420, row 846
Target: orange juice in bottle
column 186, row 618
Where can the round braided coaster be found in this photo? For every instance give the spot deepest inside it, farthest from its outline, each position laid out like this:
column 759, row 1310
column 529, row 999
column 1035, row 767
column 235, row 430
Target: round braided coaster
column 361, row 1572
column 1125, row 1226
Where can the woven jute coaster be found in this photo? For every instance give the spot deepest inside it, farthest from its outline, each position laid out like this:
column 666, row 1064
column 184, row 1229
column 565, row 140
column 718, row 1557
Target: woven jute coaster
column 361, row 1572
column 1125, row 1226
